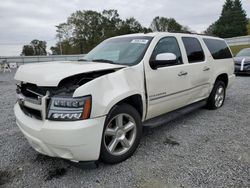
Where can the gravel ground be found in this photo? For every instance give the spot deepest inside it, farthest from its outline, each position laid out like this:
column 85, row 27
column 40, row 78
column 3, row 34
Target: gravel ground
column 201, row 149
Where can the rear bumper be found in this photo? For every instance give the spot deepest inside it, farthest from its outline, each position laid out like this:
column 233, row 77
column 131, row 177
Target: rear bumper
column 77, row 140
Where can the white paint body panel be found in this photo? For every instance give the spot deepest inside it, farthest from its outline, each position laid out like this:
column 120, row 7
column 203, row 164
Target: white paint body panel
column 108, row 90
column 51, row 73
column 78, row 140
column 161, row 91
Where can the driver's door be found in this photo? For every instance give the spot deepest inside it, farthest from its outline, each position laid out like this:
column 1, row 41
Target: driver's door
column 167, row 86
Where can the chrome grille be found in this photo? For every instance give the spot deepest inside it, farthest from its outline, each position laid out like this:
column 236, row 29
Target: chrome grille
column 32, row 102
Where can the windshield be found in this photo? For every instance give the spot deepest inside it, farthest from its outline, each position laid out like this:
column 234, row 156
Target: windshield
column 244, row 53
column 125, row 50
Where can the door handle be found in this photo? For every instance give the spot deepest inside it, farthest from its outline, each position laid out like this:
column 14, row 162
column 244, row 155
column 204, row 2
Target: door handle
column 182, row 73
column 206, row 69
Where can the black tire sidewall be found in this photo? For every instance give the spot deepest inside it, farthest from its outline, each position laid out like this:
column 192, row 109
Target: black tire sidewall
column 211, row 100
column 107, row 157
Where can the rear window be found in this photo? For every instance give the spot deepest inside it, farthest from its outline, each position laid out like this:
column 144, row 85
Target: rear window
column 194, row 50
column 218, row 48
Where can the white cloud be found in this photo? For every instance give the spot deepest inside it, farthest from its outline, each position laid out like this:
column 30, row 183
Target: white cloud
column 23, row 21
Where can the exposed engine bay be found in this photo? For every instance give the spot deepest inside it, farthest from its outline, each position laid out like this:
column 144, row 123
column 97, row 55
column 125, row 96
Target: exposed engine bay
column 66, row 87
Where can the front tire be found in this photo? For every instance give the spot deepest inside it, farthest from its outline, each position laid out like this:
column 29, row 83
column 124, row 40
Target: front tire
column 217, row 96
column 121, row 135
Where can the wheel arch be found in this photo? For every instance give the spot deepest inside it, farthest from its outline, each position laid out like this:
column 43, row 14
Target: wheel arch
column 135, row 100
column 222, row 77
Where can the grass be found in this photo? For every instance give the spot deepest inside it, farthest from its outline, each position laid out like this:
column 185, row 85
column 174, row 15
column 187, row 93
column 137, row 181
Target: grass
column 236, row 49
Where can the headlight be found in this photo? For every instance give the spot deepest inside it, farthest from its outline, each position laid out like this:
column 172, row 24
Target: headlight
column 69, row 109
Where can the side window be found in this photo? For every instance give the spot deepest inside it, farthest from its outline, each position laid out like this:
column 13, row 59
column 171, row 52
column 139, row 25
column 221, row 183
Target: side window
column 168, row 45
column 218, row 48
column 194, row 50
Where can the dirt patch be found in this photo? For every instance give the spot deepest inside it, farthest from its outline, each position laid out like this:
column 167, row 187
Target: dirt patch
column 42, row 159
column 6, row 177
column 171, row 141
column 56, row 173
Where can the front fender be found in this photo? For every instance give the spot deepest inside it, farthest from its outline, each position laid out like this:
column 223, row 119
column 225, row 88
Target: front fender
column 108, row 90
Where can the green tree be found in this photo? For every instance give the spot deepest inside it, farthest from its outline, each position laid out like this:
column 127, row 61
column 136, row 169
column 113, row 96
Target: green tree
column 232, row 21
column 210, row 30
column 65, row 45
column 36, row 47
column 111, row 23
column 167, row 24
column 28, row 50
column 223, row 27
column 64, row 31
column 55, row 50
column 130, row 25
column 85, row 29
column 39, row 47
column 239, row 19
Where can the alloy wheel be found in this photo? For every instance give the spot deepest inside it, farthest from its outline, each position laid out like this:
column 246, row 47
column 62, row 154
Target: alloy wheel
column 120, row 134
column 219, row 96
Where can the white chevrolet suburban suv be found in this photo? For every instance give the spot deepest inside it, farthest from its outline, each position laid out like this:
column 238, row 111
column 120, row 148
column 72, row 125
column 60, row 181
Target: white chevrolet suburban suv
column 95, row 108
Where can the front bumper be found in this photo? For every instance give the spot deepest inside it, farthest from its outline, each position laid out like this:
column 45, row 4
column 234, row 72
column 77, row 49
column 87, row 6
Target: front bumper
column 76, row 140
column 242, row 70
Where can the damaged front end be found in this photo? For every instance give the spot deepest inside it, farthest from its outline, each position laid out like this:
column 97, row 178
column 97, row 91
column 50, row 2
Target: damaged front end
column 58, row 103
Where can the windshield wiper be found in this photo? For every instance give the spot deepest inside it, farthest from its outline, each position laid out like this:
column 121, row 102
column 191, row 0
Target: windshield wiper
column 104, row 61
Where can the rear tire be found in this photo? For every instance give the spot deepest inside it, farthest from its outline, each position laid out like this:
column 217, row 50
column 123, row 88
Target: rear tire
column 121, row 134
column 217, row 96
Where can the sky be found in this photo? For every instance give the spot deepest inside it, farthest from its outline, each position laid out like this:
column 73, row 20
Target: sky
column 24, row 20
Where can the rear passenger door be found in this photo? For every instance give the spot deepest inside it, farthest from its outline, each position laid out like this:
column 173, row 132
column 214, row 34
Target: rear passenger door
column 199, row 69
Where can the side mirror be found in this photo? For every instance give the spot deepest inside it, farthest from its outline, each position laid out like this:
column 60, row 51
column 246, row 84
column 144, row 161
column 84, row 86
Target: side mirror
column 164, row 59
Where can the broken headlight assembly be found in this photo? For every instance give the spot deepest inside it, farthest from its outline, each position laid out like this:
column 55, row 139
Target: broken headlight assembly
column 69, row 109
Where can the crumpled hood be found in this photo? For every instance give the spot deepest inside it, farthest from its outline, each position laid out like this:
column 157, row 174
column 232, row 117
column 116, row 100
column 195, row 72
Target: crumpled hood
column 51, row 73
